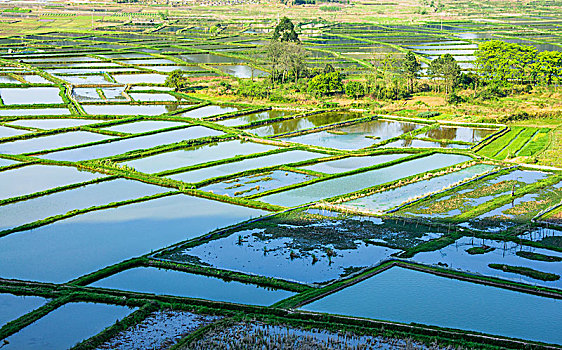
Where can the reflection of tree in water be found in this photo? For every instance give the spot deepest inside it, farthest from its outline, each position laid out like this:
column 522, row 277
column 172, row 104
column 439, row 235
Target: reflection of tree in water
column 461, row 134
column 307, row 122
column 384, row 129
column 172, row 107
column 201, row 146
column 442, row 133
column 254, row 117
column 308, row 232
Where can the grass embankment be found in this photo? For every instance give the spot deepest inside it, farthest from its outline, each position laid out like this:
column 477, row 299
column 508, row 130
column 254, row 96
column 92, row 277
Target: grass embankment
column 75, row 212
column 400, row 182
column 338, row 175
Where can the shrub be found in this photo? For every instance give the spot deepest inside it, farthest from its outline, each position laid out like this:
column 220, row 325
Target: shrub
column 354, row 89
column 324, row 84
column 514, row 117
column 455, row 99
column 492, row 91
column 428, row 114
column 252, row 89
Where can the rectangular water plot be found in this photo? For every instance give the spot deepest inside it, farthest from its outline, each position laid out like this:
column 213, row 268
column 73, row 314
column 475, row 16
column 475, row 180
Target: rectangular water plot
column 122, row 109
column 252, row 184
column 166, row 69
column 209, row 111
column 148, row 61
column 209, row 58
column 407, row 296
column 131, row 144
column 355, row 182
column 30, row 95
column 14, row 306
column 9, row 132
column 86, row 243
column 48, row 124
column 50, row 142
column 36, row 178
column 307, row 247
column 33, row 112
column 140, row 78
column 352, row 163
column 242, row 71
column 292, row 125
column 170, row 282
column 416, row 143
column 159, row 330
column 474, row 256
column 382, row 201
column 243, row 165
column 143, row 96
column 66, row 326
column 5, row 79
column 144, row 126
column 35, row 79
column 254, row 117
column 196, row 155
column 457, row 133
column 356, row 136
column 5, row 162
column 84, row 79
column 90, row 94
column 102, row 193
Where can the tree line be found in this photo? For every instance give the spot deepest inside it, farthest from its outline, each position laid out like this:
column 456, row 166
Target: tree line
column 395, row 75
column 499, row 60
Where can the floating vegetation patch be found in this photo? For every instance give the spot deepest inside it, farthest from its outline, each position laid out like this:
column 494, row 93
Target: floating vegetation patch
column 405, row 295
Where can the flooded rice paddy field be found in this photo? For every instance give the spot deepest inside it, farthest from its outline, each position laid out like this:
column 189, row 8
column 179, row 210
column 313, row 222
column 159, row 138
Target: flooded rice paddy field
column 263, row 335
column 405, row 295
column 159, row 330
column 101, row 163
column 66, row 326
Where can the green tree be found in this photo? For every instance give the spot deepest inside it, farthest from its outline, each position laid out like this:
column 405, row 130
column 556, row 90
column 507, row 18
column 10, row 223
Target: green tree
column 411, row 68
column 324, row 84
column 285, row 31
column 548, row 67
column 163, row 15
column 498, row 60
column 328, row 68
column 286, row 59
column 213, row 30
column 446, row 69
column 176, row 80
column 354, row 89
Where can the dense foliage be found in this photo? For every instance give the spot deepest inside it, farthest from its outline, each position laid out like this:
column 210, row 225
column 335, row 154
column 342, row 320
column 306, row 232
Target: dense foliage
column 285, row 31
column 499, row 60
